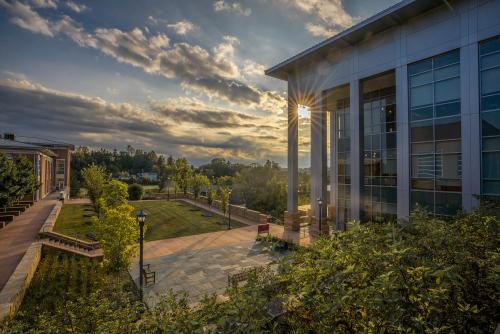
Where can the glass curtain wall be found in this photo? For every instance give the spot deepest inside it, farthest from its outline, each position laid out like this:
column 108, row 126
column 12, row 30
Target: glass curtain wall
column 436, row 161
column 337, row 102
column 379, row 187
column 490, row 115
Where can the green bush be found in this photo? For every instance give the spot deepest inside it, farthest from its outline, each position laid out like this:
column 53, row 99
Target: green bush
column 135, row 192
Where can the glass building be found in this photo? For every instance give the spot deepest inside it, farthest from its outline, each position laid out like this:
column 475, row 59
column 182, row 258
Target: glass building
column 414, row 100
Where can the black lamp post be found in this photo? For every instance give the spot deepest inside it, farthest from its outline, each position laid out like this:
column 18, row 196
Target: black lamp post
column 229, row 210
column 141, row 218
column 320, row 207
column 168, row 188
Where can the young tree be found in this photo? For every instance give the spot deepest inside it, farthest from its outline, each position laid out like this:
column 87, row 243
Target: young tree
column 117, row 232
column 165, row 176
column 224, row 194
column 211, row 194
column 8, row 182
column 115, row 193
column 198, row 181
column 95, row 177
column 182, row 174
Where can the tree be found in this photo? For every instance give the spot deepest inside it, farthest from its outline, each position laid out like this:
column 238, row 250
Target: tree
column 198, row 182
column 8, row 181
column 224, row 194
column 25, row 176
column 95, row 177
column 135, row 192
column 115, row 193
column 117, row 232
column 211, row 194
column 182, row 174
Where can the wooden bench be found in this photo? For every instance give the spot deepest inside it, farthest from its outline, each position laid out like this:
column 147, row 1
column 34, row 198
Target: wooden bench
column 262, row 228
column 242, row 276
column 149, row 276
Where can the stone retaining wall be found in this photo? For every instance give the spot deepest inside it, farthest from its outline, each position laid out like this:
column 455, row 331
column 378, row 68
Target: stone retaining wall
column 49, row 223
column 13, row 292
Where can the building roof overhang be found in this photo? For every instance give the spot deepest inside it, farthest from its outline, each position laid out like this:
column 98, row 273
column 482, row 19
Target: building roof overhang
column 391, row 17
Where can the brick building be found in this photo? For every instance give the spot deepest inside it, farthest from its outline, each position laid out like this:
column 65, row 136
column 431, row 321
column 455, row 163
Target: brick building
column 51, row 161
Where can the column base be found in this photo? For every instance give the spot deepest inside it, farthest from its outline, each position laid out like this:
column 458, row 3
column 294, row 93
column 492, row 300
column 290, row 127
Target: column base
column 292, row 221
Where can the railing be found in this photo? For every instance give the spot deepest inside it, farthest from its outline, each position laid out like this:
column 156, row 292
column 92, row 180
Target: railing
column 69, row 241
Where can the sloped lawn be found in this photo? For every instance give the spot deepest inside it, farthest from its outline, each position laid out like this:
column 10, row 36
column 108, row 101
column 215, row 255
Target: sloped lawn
column 165, row 220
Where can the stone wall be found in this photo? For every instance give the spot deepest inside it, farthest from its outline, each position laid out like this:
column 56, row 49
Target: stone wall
column 13, row 292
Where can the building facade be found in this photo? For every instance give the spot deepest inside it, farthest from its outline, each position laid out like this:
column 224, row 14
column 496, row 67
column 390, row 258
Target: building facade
column 412, row 96
column 51, row 161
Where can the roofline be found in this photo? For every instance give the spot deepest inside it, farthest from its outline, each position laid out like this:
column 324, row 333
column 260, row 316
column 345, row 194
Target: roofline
column 279, row 71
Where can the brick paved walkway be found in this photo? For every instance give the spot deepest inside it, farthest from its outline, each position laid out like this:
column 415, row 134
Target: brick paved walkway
column 16, row 237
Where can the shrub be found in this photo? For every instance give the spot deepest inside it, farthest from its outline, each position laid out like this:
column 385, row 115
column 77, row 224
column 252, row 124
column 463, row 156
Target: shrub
column 135, row 192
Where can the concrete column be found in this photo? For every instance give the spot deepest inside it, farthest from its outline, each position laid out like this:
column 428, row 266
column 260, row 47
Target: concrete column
column 318, row 156
column 471, row 123
column 318, row 163
column 293, row 150
column 355, row 150
column 403, row 143
column 333, row 166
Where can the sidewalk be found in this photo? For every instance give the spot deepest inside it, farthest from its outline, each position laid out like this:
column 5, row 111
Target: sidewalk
column 16, row 237
column 218, row 212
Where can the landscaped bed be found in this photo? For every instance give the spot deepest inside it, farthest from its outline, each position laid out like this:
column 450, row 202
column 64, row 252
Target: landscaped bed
column 166, row 219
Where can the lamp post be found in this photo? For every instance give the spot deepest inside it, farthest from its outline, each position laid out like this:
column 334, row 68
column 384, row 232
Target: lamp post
column 168, row 188
column 141, row 218
column 229, row 209
column 320, row 207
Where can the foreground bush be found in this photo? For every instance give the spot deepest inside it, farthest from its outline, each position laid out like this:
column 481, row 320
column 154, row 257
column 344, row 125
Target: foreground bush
column 135, row 192
column 431, row 276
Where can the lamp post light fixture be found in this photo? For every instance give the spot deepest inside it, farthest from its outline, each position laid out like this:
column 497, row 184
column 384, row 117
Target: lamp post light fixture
column 141, row 218
column 320, row 211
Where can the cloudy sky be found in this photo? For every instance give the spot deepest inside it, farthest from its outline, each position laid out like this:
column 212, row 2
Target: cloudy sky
column 181, row 77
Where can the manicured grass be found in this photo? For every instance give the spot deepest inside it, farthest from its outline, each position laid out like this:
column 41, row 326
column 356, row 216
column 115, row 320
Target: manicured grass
column 165, row 220
column 75, row 220
column 176, row 219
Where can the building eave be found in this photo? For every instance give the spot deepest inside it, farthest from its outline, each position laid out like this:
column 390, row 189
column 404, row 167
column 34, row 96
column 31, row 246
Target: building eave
column 389, row 18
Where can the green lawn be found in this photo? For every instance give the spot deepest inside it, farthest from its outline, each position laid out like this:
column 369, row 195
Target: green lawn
column 165, row 220
column 75, row 220
column 176, row 219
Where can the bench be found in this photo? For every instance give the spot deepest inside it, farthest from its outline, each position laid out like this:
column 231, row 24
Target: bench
column 149, row 276
column 263, row 228
column 234, row 279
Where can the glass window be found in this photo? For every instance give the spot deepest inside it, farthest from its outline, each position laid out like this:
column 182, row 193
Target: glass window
column 379, row 157
column 447, row 90
column 490, row 82
column 489, row 60
column 436, row 133
column 420, row 67
column 448, row 204
column 447, row 72
column 491, row 123
column 421, row 96
column 421, row 79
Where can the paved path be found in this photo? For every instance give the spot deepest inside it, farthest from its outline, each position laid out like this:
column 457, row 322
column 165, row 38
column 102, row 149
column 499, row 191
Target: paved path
column 200, row 264
column 16, row 237
column 218, row 212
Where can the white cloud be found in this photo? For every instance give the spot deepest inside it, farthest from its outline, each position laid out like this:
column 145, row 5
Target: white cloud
column 25, row 17
column 45, row 3
column 235, row 7
column 330, row 16
column 78, row 8
column 182, row 27
column 253, row 69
